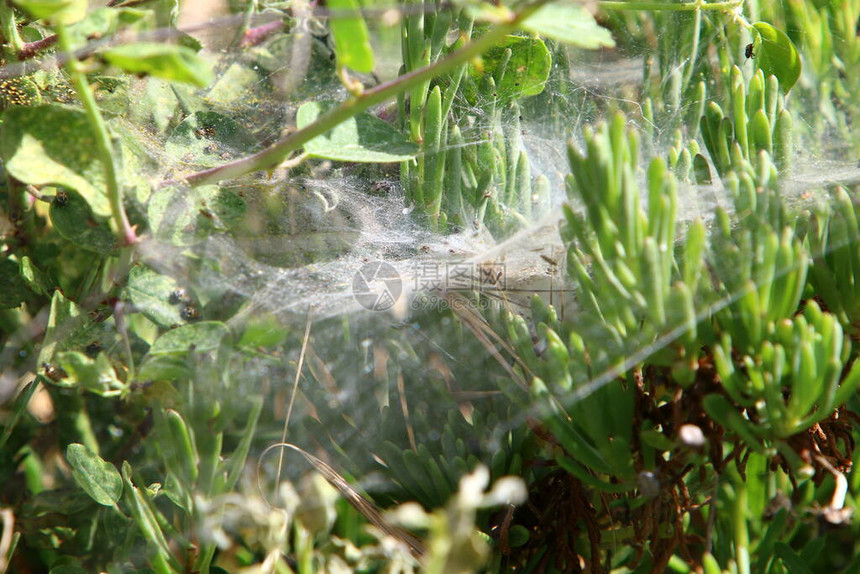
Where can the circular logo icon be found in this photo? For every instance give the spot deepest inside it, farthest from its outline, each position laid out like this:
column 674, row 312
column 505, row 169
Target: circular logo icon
column 377, row 286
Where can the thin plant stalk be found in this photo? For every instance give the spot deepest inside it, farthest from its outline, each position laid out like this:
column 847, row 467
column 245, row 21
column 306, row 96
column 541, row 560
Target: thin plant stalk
column 125, row 232
column 730, row 6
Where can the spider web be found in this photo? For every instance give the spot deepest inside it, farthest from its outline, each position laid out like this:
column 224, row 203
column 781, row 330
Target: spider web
column 332, row 219
column 374, row 218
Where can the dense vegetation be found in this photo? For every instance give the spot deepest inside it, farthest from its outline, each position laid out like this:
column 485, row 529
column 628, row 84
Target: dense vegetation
column 184, row 388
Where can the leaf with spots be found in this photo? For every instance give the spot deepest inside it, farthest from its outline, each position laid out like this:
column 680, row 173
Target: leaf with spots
column 154, row 295
column 75, row 221
column 52, row 144
column 207, row 139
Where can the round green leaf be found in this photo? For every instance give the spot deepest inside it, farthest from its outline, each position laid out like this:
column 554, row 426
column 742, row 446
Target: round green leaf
column 168, row 61
column 188, row 216
column 289, row 227
column 150, row 293
column 164, row 368
column 776, row 55
column 200, row 337
column 21, row 91
column 571, row 24
column 527, row 69
column 54, row 145
column 75, row 221
column 362, row 138
column 518, row 536
column 98, row 478
column 207, row 139
column 263, row 331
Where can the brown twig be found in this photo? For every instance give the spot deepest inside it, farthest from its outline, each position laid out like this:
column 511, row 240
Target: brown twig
column 31, row 49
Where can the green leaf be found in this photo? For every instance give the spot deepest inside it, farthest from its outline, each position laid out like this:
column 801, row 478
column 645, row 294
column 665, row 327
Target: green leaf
column 526, row 71
column 236, row 463
column 352, row 43
column 701, row 169
column 518, row 536
column 657, row 440
column 152, row 294
column 181, row 454
column 199, row 337
column 776, row 55
column 36, row 280
column 61, row 11
column 183, row 216
column 167, row 61
column 207, row 139
column 54, row 145
column 362, row 138
column 95, row 375
column 100, row 479
column 144, row 514
column 164, row 368
column 571, row 24
column 20, row 91
column 75, row 221
column 104, row 22
column 263, row 331
column 721, row 410
column 19, row 407
column 70, row 328
column 793, row 563
column 13, row 289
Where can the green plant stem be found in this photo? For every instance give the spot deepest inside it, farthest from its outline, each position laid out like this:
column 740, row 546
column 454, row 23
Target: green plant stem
column 103, row 141
column 280, row 150
column 739, row 522
column 9, row 29
column 673, row 7
column 119, row 319
column 204, row 560
column 694, row 49
column 73, row 421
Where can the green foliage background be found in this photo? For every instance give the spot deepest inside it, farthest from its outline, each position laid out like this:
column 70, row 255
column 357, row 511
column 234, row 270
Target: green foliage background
column 687, row 405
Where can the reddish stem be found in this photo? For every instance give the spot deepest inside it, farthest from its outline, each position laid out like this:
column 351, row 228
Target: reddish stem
column 30, row 49
column 254, row 36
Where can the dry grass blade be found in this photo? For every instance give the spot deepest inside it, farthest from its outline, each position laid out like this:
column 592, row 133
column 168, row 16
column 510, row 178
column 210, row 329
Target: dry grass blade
column 305, row 340
column 484, row 333
column 367, row 508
